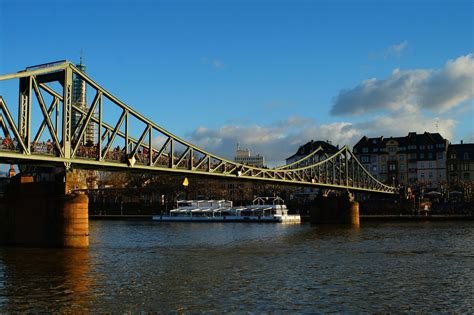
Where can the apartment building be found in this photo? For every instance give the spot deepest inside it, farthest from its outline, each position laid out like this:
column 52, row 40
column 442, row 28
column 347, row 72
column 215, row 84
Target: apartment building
column 460, row 162
column 415, row 158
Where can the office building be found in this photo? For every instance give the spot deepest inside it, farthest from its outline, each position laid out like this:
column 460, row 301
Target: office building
column 243, row 156
column 79, row 99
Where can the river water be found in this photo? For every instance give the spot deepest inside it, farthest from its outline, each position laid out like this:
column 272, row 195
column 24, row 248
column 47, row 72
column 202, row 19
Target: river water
column 195, row 267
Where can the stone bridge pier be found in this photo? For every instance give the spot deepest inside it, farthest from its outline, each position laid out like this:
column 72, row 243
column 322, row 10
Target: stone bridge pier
column 336, row 210
column 44, row 214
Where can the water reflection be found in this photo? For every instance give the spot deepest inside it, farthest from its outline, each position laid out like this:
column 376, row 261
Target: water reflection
column 35, row 279
column 142, row 266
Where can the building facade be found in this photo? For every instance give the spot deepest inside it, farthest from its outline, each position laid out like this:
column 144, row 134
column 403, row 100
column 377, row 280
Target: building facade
column 460, row 162
column 243, row 156
column 413, row 159
column 310, row 147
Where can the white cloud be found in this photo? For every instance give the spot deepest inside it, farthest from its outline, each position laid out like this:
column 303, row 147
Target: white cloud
column 281, row 139
column 437, row 91
column 217, row 64
column 391, row 51
column 450, row 86
column 396, row 50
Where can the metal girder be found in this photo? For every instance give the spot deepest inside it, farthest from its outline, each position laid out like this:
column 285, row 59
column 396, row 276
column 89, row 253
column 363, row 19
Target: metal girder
column 340, row 170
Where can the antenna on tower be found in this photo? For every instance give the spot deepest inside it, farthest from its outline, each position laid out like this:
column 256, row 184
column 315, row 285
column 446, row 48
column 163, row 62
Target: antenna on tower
column 81, row 57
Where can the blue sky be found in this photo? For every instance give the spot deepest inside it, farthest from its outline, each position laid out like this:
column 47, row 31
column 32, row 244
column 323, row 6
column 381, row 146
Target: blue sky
column 270, row 74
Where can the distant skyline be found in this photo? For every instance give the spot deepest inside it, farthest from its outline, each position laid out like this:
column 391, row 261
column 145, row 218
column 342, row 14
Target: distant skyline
column 271, row 75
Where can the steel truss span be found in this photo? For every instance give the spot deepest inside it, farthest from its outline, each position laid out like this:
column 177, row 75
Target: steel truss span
column 127, row 140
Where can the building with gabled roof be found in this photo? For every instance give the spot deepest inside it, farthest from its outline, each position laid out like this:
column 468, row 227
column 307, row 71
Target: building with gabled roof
column 460, row 162
column 415, row 158
column 309, row 148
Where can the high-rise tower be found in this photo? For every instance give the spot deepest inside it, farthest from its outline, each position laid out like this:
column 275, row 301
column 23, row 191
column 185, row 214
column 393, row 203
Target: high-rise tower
column 79, row 99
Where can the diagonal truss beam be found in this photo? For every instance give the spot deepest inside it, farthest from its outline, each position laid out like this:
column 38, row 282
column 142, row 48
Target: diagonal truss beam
column 340, row 170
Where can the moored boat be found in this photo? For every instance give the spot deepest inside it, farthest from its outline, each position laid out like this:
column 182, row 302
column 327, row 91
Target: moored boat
column 263, row 209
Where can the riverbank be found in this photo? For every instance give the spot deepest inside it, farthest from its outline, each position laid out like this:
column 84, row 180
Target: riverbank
column 436, row 217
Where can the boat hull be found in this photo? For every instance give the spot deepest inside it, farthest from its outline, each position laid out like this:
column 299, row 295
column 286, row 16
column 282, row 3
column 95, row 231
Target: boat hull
column 258, row 219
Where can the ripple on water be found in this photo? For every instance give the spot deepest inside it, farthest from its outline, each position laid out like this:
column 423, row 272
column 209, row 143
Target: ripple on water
column 142, row 266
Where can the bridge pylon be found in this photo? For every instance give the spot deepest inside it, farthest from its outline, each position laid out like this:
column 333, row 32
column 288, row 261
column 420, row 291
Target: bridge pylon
column 341, row 209
column 44, row 214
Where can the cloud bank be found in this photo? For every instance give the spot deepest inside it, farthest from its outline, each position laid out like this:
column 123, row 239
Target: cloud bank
column 281, row 139
column 434, row 90
column 415, row 100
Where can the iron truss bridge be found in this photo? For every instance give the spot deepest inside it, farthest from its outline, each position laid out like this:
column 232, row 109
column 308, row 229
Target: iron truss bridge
column 124, row 139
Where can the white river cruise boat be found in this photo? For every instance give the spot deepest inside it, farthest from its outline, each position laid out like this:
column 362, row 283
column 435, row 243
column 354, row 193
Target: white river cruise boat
column 263, row 209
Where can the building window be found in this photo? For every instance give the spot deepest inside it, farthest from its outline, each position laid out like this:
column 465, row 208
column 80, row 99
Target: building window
column 440, row 156
column 376, row 150
column 451, row 167
column 402, row 176
column 392, row 167
column 402, row 148
column 422, row 165
column 374, row 168
column 382, row 159
column 466, row 156
column 355, row 150
column 365, row 159
column 374, row 158
column 402, row 158
column 466, row 176
column 430, row 155
column 412, row 147
column 430, row 175
column 422, row 147
column 430, row 147
column 422, row 175
column 365, row 150
column 430, row 165
column 453, row 156
column 402, row 167
column 383, row 169
column 422, row 155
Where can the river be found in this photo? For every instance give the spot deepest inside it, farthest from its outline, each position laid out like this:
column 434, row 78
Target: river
column 136, row 267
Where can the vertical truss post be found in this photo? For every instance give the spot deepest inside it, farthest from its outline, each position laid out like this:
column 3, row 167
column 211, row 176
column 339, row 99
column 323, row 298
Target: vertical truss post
column 24, row 111
column 191, row 156
column 171, row 155
column 126, row 136
column 346, row 162
column 150, row 147
column 99, row 134
column 56, row 116
column 333, row 172
column 353, row 171
column 67, row 111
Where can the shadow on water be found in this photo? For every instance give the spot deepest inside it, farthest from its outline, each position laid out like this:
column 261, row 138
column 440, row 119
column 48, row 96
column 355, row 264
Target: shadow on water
column 39, row 279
